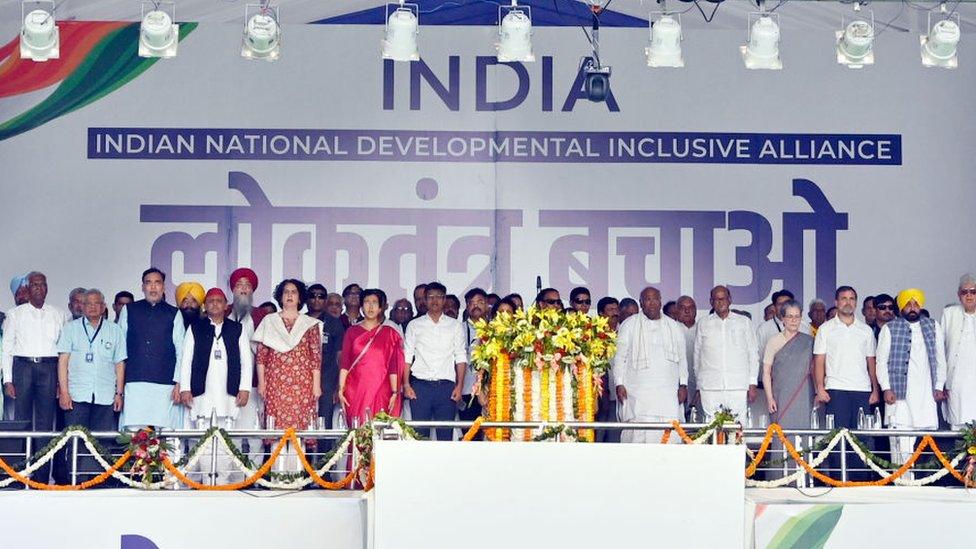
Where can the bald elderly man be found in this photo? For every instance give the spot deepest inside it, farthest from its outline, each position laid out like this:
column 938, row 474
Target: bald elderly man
column 911, row 371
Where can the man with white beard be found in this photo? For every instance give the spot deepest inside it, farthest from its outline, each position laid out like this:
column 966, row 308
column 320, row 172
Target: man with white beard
column 243, row 282
column 650, row 369
column 959, row 323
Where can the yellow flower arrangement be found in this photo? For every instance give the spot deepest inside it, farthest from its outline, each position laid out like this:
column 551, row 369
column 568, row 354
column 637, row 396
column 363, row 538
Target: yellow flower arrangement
column 543, row 342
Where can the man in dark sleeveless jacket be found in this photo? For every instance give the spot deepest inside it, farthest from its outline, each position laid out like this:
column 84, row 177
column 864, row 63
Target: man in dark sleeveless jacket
column 154, row 340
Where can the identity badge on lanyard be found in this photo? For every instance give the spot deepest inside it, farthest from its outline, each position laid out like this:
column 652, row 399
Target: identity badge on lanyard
column 90, row 355
column 217, row 353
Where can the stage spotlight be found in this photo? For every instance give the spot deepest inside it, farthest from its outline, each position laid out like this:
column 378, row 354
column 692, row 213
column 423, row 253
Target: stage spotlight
column 262, row 34
column 402, row 28
column 762, row 49
column 158, row 35
column 515, row 34
column 939, row 45
column 854, row 44
column 40, row 39
column 665, row 47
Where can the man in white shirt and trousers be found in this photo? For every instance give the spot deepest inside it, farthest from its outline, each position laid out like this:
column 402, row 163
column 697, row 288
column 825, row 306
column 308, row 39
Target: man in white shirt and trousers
column 911, row 371
column 30, row 361
column 959, row 326
column 434, row 350
column 650, row 369
column 726, row 358
column 215, row 375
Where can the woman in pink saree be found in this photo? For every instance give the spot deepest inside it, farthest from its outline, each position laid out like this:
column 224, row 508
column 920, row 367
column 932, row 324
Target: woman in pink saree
column 372, row 363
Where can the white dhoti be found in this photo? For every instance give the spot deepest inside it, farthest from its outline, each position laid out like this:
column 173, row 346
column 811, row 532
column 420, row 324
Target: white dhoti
column 650, row 365
column 712, row 401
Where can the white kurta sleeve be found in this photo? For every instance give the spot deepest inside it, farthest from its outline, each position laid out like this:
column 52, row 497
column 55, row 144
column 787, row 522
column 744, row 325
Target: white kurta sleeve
column 179, row 333
column 6, row 356
column 185, row 362
column 696, row 363
column 752, row 347
column 623, row 354
column 680, row 344
column 883, row 352
column 942, row 371
column 247, row 362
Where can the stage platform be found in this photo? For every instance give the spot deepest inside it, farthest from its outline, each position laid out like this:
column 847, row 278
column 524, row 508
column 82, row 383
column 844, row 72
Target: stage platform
column 774, row 518
column 889, row 516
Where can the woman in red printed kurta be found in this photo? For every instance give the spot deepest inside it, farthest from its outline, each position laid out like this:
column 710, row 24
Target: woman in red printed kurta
column 372, row 363
column 289, row 360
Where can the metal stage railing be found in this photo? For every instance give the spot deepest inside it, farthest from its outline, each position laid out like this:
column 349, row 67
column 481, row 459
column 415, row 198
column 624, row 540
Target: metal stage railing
column 778, row 463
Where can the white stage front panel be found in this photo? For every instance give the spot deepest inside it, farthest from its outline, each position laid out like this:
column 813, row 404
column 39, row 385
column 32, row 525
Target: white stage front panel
column 852, row 518
column 510, row 495
column 131, row 519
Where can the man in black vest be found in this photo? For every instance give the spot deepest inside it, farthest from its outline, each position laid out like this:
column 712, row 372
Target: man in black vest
column 154, row 340
column 216, row 369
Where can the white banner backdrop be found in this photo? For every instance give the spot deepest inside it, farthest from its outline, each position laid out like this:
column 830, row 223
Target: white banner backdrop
column 334, row 166
column 100, row 519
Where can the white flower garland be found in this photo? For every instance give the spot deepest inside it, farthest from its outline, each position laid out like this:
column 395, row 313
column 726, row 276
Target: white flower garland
column 902, row 481
column 297, row 484
column 800, row 471
column 201, row 450
column 29, row 470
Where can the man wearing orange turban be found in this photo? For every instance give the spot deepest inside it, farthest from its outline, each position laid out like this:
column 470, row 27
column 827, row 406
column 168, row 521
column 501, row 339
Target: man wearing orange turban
column 911, row 371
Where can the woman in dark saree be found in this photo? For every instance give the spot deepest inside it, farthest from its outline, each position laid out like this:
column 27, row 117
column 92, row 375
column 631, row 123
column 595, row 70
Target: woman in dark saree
column 787, row 365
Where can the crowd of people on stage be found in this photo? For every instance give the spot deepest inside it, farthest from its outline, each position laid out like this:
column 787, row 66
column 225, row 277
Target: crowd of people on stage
column 293, row 362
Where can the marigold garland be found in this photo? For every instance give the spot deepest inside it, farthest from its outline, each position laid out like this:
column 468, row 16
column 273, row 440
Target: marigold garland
column 527, row 402
column 560, row 397
column 473, row 430
column 262, row 471
column 544, row 386
column 66, row 487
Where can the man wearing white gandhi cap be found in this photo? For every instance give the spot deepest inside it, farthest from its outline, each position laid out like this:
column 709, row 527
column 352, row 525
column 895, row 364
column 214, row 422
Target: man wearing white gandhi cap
column 911, row 371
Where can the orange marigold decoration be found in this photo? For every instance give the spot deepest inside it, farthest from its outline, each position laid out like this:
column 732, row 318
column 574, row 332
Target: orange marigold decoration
column 544, row 398
column 560, row 400
column 475, row 427
column 527, row 402
column 66, row 487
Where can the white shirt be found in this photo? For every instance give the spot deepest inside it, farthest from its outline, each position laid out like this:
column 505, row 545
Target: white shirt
column 918, row 409
column 726, row 353
column 215, row 397
column 434, row 348
column 847, row 349
column 30, row 332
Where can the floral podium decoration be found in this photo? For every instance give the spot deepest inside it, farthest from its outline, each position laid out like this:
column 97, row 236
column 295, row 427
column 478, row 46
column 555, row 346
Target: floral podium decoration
column 149, row 451
column 542, row 365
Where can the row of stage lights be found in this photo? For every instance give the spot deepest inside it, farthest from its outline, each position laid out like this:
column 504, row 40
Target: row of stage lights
column 159, row 36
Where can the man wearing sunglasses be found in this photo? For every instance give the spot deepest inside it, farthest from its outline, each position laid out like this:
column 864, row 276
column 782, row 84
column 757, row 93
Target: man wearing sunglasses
column 549, row 299
column 332, row 334
column 959, row 322
column 884, row 312
column 579, row 300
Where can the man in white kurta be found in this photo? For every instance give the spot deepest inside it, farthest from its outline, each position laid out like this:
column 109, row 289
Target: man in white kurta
column 726, row 358
column 220, row 361
column 650, row 369
column 959, row 325
column 911, row 403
